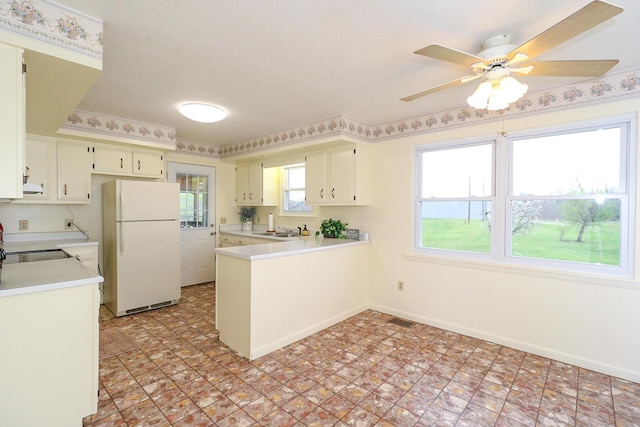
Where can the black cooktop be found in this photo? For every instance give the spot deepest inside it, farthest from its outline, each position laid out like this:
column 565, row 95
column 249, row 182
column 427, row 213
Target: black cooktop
column 31, row 256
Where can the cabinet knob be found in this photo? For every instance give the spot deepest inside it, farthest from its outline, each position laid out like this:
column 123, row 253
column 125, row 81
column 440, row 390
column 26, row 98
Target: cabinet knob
column 333, row 193
column 121, row 163
column 322, row 193
column 138, row 164
column 65, row 189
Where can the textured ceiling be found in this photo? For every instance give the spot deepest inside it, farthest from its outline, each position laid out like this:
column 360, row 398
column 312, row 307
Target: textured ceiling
column 284, row 63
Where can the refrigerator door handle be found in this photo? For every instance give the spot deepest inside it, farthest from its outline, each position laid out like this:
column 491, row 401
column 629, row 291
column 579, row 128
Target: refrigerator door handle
column 122, row 233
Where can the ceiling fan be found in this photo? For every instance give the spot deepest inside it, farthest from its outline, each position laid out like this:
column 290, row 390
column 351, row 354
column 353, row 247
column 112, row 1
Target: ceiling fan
column 499, row 58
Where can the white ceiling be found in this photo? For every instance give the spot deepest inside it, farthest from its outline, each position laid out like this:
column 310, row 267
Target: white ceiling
column 278, row 64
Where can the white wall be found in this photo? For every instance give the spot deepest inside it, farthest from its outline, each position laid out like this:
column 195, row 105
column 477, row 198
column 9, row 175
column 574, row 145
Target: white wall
column 586, row 321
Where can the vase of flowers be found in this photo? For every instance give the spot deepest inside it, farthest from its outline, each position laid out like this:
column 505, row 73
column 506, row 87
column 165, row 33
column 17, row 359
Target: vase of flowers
column 246, row 217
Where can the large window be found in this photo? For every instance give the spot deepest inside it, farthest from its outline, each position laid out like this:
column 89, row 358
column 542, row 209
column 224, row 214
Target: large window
column 293, row 191
column 560, row 199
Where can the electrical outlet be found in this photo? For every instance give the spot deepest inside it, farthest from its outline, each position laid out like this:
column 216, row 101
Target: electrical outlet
column 223, row 220
column 400, row 285
column 258, row 220
column 23, row 224
column 68, row 224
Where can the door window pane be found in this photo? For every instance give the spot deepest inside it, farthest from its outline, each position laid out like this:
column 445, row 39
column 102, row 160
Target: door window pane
column 194, row 200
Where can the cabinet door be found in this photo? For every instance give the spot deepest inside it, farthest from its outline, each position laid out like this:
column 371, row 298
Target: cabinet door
column 40, row 155
column 113, row 160
column 242, row 185
column 148, row 163
column 74, row 172
column 315, row 178
column 341, row 176
column 12, row 124
column 254, row 194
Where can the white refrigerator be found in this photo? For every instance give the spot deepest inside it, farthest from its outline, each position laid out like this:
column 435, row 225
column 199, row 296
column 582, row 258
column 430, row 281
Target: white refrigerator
column 141, row 245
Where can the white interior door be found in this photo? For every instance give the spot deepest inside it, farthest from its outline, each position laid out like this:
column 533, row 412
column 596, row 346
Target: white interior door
column 197, row 221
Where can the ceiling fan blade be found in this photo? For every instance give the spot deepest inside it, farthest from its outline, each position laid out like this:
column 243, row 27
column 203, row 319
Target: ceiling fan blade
column 438, row 88
column 518, row 57
column 578, row 68
column 584, row 19
column 444, row 53
column 522, row 70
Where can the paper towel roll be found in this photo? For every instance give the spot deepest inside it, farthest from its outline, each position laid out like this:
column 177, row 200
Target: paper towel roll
column 270, row 226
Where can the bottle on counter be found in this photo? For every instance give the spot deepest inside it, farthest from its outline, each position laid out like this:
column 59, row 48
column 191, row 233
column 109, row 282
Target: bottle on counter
column 305, row 231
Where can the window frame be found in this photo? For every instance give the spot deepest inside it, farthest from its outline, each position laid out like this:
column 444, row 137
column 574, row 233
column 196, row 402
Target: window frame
column 502, row 170
column 285, row 189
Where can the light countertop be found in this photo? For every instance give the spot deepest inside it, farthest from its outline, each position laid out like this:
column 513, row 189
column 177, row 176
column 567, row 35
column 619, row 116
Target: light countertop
column 293, row 246
column 29, row 277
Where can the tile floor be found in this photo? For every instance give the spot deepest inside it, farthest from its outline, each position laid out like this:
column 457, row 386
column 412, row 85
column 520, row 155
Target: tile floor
column 363, row 371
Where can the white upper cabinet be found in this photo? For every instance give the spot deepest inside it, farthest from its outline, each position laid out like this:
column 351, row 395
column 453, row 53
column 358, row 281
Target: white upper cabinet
column 338, row 176
column 40, row 158
column 74, row 172
column 111, row 160
column 256, row 185
column 127, row 161
column 148, row 163
column 12, row 122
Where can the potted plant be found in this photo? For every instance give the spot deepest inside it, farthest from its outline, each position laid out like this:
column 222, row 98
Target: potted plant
column 246, row 217
column 332, row 228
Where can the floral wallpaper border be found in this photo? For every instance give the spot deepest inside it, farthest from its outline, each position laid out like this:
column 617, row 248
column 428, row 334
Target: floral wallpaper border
column 108, row 126
column 606, row 89
column 610, row 88
column 53, row 24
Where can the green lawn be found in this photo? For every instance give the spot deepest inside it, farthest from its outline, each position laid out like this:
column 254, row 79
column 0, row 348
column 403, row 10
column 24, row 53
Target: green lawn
column 601, row 242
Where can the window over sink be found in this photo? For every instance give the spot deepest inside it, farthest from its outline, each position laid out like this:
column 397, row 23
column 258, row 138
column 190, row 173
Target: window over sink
column 293, row 190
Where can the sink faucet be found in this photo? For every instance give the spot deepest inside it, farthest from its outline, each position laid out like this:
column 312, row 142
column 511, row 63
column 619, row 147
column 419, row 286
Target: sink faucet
column 299, row 231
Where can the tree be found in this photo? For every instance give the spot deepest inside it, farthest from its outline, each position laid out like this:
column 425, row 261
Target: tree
column 587, row 212
column 524, row 214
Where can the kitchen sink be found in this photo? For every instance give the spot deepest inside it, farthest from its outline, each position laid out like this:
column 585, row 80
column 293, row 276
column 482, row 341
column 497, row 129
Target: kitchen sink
column 278, row 234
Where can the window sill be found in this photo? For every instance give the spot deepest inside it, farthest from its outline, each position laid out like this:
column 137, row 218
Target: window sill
column 592, row 279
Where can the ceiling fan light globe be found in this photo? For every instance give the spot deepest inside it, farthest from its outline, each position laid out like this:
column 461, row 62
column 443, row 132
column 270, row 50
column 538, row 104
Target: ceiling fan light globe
column 479, row 98
column 511, row 89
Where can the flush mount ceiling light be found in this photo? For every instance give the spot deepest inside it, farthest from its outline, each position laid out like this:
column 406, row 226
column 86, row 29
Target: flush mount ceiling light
column 201, row 112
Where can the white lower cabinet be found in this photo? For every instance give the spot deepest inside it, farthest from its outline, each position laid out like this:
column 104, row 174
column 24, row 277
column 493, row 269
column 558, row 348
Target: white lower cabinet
column 49, row 357
column 228, row 240
column 87, row 254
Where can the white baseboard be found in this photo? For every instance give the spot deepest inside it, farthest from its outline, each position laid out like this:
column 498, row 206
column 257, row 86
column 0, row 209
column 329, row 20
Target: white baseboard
column 305, row 332
column 550, row 353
